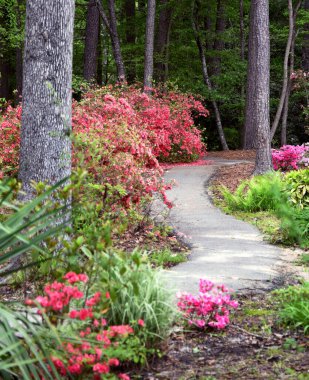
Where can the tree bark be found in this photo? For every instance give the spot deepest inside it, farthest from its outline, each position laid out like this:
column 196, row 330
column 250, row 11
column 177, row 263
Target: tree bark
column 19, row 58
column 287, row 97
column 149, row 45
column 219, row 42
column 162, row 41
column 4, row 78
column 242, row 40
column 111, row 26
column 45, row 153
column 206, row 78
column 249, row 130
column 292, row 19
column 129, row 8
column 91, row 42
column 263, row 161
column 305, row 52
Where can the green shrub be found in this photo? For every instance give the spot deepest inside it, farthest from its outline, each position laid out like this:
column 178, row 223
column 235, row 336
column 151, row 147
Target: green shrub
column 294, row 224
column 136, row 290
column 261, row 193
column 294, row 306
column 297, row 185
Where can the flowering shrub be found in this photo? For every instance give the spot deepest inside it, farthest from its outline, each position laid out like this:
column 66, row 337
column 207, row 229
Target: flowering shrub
column 211, row 307
column 92, row 349
column 118, row 134
column 290, row 157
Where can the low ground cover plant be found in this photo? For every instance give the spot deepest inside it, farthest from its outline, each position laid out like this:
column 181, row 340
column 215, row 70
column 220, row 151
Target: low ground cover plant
column 294, row 306
column 282, row 195
column 210, row 308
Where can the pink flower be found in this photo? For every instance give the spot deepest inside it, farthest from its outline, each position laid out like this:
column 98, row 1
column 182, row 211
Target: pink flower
column 74, row 314
column 113, row 362
column 75, row 368
column 141, row 323
column 123, row 376
column 100, row 368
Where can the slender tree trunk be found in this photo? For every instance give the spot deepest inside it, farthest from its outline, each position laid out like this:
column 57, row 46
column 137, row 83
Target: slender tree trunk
column 263, row 161
column 287, row 97
column 219, row 42
column 292, row 18
column 111, row 26
column 149, row 45
column 206, row 76
column 19, row 58
column 249, row 130
column 100, row 59
column 242, row 39
column 129, row 8
column 305, row 52
column 4, row 78
column 91, row 41
column 46, row 119
column 162, row 42
column 116, row 41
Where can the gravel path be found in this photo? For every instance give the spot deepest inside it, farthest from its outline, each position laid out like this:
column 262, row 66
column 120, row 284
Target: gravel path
column 224, row 249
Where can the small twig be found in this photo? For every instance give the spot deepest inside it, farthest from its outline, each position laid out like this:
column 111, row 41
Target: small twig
column 247, row 332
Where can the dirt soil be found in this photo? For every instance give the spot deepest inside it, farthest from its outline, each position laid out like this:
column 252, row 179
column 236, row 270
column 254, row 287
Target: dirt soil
column 253, row 347
column 233, row 154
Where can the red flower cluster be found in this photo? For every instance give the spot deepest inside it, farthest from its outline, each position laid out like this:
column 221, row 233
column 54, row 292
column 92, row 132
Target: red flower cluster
column 90, row 351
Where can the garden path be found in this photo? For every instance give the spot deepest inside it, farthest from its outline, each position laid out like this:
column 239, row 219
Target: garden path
column 223, row 249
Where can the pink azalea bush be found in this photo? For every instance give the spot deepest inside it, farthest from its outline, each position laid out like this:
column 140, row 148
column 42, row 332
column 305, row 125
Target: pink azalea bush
column 92, row 349
column 119, row 133
column 211, row 307
column 290, row 157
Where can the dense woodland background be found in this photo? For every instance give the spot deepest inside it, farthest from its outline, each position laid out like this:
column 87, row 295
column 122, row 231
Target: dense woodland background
column 221, row 26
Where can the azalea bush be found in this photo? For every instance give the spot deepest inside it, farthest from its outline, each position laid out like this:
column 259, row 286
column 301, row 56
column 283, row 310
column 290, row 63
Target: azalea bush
column 210, row 308
column 119, row 133
column 290, row 157
column 90, row 347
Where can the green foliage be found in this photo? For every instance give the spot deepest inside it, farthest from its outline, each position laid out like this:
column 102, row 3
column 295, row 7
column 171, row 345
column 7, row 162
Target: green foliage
column 136, row 290
column 294, row 306
column 26, row 226
column 297, row 185
column 257, row 194
column 23, row 349
column 272, row 192
column 165, row 258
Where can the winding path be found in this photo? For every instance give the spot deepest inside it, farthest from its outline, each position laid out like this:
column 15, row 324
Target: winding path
column 224, row 249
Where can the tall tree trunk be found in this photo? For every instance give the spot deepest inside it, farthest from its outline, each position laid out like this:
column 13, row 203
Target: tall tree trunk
column 305, row 52
column 195, row 24
column 129, row 8
column 4, row 78
column 242, row 40
column 91, row 41
column 47, row 97
column 116, row 41
column 263, row 161
column 249, row 130
column 287, row 97
column 100, row 58
column 149, row 45
column 162, row 41
column 292, row 19
column 219, row 42
column 19, row 58
column 111, row 26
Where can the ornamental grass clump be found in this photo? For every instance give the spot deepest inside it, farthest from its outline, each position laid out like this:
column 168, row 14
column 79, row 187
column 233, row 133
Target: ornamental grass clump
column 210, row 308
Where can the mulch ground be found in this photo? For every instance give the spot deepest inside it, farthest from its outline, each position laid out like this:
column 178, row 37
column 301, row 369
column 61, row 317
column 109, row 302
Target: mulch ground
column 253, row 347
